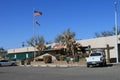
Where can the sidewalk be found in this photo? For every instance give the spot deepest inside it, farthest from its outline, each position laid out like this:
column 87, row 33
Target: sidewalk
column 57, row 64
column 81, row 63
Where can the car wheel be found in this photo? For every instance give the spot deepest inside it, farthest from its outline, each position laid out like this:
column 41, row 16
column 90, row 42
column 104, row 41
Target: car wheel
column 13, row 64
column 105, row 64
column 101, row 64
column 0, row 65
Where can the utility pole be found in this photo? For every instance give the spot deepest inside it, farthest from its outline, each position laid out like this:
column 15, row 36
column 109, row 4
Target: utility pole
column 116, row 30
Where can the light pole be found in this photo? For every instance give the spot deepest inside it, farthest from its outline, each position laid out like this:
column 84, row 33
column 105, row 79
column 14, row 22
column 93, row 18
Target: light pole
column 116, row 31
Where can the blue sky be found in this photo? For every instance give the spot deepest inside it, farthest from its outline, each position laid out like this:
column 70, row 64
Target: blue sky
column 84, row 17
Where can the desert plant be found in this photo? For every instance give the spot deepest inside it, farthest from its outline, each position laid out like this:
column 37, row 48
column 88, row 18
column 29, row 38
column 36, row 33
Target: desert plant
column 47, row 59
column 62, row 58
column 58, row 57
column 22, row 62
column 28, row 61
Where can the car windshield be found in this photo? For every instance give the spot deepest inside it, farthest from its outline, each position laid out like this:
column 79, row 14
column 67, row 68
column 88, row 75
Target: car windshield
column 95, row 54
column 4, row 61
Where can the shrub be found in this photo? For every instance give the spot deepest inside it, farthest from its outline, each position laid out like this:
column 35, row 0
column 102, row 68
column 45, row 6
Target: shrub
column 28, row 61
column 47, row 59
column 58, row 57
column 62, row 58
column 22, row 62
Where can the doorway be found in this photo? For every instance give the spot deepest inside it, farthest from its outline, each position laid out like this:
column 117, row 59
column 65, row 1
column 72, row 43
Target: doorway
column 118, row 52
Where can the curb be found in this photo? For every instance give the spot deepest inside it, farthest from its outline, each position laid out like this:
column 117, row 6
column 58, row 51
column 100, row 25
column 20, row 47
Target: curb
column 62, row 66
column 53, row 65
column 43, row 65
column 34, row 65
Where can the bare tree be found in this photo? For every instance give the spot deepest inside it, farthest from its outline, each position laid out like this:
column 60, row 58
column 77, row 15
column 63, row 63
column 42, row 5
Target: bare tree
column 3, row 52
column 107, row 33
column 37, row 42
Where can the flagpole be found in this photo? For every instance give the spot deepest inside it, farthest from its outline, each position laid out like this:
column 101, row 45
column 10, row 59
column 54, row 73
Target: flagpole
column 35, row 13
column 34, row 31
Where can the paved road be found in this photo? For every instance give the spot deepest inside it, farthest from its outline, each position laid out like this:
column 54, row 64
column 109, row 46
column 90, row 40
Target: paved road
column 70, row 73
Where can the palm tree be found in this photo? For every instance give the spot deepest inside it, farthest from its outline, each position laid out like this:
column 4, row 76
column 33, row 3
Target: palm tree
column 72, row 47
column 67, row 38
column 59, row 38
column 69, row 41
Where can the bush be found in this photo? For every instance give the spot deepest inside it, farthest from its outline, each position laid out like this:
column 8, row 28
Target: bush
column 23, row 62
column 58, row 57
column 62, row 58
column 47, row 59
column 28, row 61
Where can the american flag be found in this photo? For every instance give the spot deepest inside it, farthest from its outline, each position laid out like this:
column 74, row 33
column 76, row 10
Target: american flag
column 37, row 13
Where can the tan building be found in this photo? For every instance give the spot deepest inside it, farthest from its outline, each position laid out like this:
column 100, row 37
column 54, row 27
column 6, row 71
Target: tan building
column 101, row 43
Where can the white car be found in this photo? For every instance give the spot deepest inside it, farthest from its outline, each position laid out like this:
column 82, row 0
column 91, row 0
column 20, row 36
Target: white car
column 7, row 63
column 96, row 58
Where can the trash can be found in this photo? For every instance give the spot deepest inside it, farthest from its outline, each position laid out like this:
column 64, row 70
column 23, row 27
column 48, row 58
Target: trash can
column 76, row 58
column 68, row 59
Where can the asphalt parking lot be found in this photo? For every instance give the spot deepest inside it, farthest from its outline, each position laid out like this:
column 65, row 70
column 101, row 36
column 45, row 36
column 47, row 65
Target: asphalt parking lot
column 57, row 73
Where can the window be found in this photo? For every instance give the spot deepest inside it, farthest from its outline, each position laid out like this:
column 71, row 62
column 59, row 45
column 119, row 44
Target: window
column 95, row 54
column 4, row 61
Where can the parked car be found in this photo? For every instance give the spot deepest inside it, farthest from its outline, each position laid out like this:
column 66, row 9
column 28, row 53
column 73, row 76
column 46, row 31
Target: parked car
column 96, row 58
column 7, row 63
